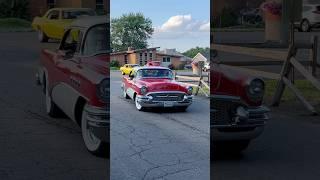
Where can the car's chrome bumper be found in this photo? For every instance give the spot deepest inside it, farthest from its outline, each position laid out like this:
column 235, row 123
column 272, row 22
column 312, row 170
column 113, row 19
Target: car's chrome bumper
column 99, row 122
column 147, row 101
column 244, row 126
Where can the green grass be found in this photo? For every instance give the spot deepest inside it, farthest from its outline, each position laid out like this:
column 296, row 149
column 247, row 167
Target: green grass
column 311, row 93
column 114, row 68
column 13, row 24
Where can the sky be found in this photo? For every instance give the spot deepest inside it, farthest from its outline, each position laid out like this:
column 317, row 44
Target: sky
column 180, row 24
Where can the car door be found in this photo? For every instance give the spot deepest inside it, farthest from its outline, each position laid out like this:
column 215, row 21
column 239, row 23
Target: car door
column 49, row 27
column 65, row 92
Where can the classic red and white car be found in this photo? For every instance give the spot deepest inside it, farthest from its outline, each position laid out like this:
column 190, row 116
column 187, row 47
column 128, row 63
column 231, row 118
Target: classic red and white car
column 75, row 80
column 237, row 113
column 154, row 86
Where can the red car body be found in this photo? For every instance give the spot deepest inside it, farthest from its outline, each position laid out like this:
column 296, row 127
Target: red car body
column 76, row 80
column 237, row 113
column 156, row 91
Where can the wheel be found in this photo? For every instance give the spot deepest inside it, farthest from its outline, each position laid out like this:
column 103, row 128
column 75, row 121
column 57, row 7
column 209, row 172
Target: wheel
column 124, row 93
column 232, row 147
column 93, row 144
column 42, row 36
column 138, row 105
column 51, row 108
column 305, row 26
column 123, row 73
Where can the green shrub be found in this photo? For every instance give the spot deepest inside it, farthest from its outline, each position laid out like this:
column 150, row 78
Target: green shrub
column 114, row 63
column 16, row 9
column 228, row 18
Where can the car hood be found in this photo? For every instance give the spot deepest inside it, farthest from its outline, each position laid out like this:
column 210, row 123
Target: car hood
column 156, row 84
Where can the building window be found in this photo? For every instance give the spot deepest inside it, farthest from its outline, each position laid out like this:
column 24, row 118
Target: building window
column 99, row 5
column 140, row 60
column 166, row 59
column 145, row 58
column 150, row 56
column 51, row 3
column 125, row 59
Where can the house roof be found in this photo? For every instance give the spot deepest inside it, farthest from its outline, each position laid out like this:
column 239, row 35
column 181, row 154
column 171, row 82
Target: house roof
column 201, row 57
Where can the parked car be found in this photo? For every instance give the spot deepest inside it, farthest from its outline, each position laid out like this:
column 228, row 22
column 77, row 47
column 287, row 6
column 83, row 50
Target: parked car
column 153, row 63
column 251, row 16
column 53, row 24
column 206, row 67
column 237, row 113
column 127, row 68
column 75, row 80
column 310, row 17
column 155, row 86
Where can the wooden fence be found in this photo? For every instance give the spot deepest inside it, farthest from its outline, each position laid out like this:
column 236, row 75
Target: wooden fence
column 288, row 61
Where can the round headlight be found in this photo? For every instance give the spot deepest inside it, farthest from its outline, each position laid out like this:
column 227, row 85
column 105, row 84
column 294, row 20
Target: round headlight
column 143, row 90
column 255, row 89
column 190, row 90
column 103, row 90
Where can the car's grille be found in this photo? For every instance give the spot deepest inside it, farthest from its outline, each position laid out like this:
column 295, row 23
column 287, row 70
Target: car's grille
column 167, row 96
column 222, row 112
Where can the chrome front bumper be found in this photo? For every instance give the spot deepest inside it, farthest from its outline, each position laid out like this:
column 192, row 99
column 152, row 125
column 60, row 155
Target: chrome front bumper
column 148, row 101
column 99, row 122
column 235, row 121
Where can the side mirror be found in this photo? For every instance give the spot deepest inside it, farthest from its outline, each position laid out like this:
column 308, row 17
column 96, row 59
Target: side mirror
column 131, row 75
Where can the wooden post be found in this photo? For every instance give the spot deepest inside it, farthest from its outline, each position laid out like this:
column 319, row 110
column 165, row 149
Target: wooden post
column 314, row 55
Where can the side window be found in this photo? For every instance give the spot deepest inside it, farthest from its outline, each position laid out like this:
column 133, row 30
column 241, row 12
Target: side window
column 53, row 15
column 72, row 42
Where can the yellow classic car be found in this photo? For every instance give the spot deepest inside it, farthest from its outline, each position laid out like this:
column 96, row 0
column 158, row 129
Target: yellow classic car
column 127, row 68
column 55, row 21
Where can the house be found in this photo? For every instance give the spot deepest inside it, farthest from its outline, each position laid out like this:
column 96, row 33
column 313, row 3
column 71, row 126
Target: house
column 172, row 56
column 142, row 56
column 202, row 57
column 40, row 7
column 135, row 56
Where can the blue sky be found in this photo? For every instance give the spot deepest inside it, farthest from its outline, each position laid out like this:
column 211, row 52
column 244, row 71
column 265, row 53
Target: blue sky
column 180, row 24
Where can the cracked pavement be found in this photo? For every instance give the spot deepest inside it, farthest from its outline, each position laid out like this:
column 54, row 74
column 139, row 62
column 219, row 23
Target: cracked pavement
column 33, row 145
column 160, row 144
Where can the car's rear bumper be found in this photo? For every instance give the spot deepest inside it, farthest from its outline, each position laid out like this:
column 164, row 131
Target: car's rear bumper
column 146, row 101
column 99, row 122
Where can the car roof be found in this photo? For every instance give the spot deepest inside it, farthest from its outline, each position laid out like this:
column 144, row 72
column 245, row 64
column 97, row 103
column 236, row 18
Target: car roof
column 89, row 21
column 151, row 67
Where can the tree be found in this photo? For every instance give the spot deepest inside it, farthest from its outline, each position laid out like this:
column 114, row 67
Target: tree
column 194, row 51
column 130, row 30
column 14, row 9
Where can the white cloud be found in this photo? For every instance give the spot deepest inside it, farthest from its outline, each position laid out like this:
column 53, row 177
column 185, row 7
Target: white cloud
column 176, row 22
column 205, row 27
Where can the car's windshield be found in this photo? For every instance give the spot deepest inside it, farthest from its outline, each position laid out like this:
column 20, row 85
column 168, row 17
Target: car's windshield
column 96, row 41
column 134, row 65
column 155, row 73
column 76, row 14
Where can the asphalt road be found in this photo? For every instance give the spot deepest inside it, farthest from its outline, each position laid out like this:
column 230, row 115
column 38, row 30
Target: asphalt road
column 159, row 144
column 33, row 145
column 289, row 147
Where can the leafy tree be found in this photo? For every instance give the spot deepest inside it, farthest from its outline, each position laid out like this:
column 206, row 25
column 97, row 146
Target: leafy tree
column 130, row 30
column 194, row 51
column 14, row 8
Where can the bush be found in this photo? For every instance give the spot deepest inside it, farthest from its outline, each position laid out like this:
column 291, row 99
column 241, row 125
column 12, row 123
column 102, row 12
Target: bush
column 19, row 9
column 114, row 63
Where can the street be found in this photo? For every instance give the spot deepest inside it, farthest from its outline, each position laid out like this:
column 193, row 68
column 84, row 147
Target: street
column 159, row 144
column 289, row 146
column 33, row 145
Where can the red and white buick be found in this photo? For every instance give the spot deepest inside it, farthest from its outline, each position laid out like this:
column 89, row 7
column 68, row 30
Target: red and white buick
column 75, row 80
column 154, row 86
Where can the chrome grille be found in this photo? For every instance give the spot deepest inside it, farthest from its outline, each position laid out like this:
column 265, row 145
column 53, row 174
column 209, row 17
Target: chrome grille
column 167, row 96
column 223, row 111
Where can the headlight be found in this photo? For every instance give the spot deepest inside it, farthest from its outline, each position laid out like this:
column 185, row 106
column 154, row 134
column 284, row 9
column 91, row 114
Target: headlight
column 103, row 90
column 190, row 90
column 255, row 89
column 143, row 90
